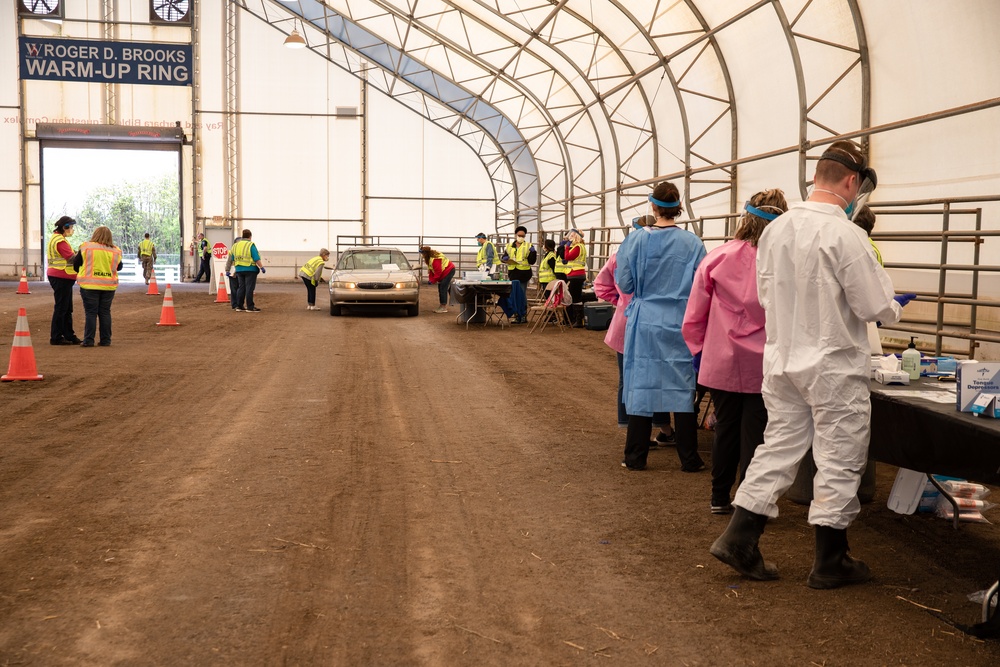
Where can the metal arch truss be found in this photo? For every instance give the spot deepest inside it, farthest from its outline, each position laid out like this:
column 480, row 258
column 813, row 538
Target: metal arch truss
column 567, row 111
column 498, row 142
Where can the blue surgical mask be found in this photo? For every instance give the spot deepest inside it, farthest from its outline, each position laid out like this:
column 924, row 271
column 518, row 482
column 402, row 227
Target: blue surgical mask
column 635, row 223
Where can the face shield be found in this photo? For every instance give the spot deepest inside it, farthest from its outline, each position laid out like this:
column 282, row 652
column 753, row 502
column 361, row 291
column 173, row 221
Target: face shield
column 867, row 179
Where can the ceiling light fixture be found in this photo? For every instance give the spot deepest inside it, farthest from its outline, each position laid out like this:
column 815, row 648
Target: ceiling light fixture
column 295, row 40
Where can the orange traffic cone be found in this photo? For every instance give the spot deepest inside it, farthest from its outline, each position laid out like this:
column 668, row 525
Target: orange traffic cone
column 22, row 287
column 222, row 296
column 152, row 291
column 167, row 316
column 22, row 355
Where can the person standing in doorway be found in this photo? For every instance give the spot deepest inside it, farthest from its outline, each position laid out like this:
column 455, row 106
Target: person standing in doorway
column 819, row 285
column 62, row 277
column 147, row 255
column 248, row 265
column 202, row 250
column 312, row 274
column 97, row 265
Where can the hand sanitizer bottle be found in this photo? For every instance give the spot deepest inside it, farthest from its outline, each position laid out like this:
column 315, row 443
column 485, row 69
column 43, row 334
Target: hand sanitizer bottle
column 911, row 360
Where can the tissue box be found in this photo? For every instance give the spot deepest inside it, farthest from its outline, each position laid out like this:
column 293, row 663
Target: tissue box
column 883, row 376
column 974, row 378
column 986, row 405
column 875, row 365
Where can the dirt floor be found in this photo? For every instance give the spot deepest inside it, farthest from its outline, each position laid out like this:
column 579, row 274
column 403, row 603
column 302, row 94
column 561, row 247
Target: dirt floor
column 290, row 488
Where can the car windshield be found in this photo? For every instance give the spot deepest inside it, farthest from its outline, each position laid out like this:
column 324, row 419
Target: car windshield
column 372, row 260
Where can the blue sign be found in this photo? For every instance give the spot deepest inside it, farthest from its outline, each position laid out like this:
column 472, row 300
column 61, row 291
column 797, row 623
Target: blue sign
column 105, row 62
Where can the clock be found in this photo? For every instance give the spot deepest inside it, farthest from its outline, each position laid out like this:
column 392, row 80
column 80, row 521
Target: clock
column 170, row 12
column 40, row 9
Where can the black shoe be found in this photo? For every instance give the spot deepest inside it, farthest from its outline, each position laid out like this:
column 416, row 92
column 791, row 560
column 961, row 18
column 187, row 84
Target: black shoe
column 696, row 468
column 833, row 566
column 75, row 340
column 86, row 344
column 628, row 467
column 103, row 344
column 253, row 310
column 737, row 546
column 722, row 508
column 664, row 439
column 60, row 341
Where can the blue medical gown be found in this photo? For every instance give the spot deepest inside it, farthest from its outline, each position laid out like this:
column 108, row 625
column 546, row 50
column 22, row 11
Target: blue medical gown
column 657, row 266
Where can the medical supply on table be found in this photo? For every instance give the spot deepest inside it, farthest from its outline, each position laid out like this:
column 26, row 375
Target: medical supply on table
column 890, row 372
column 975, row 378
column 911, row 360
column 986, row 405
column 907, row 491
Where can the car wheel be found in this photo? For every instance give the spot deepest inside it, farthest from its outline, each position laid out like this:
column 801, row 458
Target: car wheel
column 336, row 311
column 414, row 310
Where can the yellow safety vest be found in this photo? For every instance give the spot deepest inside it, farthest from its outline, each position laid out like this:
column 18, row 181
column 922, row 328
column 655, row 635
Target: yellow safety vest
column 57, row 261
column 310, row 267
column 546, row 274
column 481, row 255
column 99, row 269
column 145, row 248
column 581, row 260
column 878, row 254
column 519, row 256
column 445, row 263
column 242, row 255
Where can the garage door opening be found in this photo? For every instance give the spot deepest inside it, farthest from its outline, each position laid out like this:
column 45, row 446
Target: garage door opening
column 130, row 189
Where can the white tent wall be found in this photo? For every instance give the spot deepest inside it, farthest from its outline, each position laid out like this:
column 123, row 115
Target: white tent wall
column 300, row 165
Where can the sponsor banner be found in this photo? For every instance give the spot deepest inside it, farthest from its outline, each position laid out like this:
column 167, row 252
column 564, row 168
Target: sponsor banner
column 53, row 59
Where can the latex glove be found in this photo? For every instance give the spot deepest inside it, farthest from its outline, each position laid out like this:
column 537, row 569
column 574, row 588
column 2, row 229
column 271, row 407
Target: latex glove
column 903, row 299
column 263, row 270
column 229, row 275
column 696, row 362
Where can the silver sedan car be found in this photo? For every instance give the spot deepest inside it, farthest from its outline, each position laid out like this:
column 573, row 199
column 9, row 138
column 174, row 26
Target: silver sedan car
column 366, row 276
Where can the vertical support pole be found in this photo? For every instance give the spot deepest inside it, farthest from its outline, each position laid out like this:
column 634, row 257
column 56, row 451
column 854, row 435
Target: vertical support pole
column 232, row 121
column 974, row 310
column 364, row 153
column 942, row 280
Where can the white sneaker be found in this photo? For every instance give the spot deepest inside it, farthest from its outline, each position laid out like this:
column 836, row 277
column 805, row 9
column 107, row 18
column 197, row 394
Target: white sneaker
column 442, row 309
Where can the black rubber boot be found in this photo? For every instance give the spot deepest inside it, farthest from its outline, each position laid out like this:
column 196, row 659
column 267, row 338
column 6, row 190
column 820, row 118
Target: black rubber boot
column 834, row 567
column 737, row 547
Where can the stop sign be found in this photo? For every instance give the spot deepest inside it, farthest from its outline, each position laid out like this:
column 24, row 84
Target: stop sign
column 220, row 251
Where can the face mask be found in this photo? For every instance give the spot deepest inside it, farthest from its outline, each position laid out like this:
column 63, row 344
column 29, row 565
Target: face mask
column 520, row 239
column 635, row 223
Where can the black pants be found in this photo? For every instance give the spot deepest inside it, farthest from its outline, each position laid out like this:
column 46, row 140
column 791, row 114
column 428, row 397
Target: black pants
column 97, row 307
column 244, row 293
column 204, row 271
column 575, row 285
column 310, row 290
column 234, row 287
column 62, row 311
column 739, row 428
column 521, row 275
column 685, row 430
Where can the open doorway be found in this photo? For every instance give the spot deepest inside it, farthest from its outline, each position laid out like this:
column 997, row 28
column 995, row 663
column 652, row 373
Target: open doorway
column 132, row 190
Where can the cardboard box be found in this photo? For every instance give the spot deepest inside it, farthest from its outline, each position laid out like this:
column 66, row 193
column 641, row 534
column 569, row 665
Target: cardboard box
column 883, row 376
column 973, row 379
column 986, row 405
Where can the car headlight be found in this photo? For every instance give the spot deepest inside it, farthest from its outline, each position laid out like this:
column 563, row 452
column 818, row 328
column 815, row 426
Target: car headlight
column 344, row 285
column 407, row 285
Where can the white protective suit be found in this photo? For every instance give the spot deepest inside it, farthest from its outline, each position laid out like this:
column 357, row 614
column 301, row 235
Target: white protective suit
column 819, row 285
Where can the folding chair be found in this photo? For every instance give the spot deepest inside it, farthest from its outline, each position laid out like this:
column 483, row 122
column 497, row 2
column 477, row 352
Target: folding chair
column 554, row 308
column 494, row 312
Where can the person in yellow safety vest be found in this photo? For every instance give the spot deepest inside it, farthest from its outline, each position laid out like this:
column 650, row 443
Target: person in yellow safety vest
column 574, row 255
column 97, row 266
column 202, row 251
column 547, row 269
column 247, row 261
column 440, row 270
column 865, row 219
column 312, row 274
column 487, row 255
column 62, row 277
column 147, row 255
